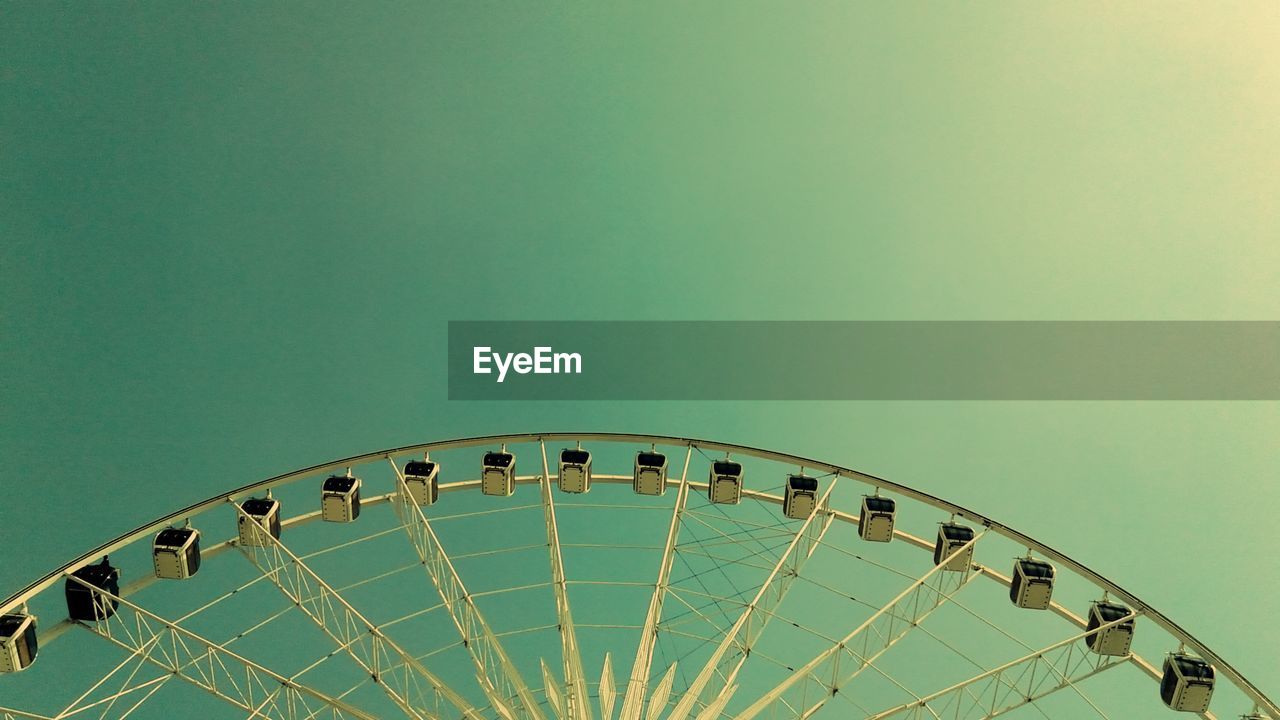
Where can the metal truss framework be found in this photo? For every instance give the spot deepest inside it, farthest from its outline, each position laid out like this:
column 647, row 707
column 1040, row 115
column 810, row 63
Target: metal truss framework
column 986, row 695
column 228, row 676
column 576, row 703
column 13, row 714
column 638, row 683
column 405, row 680
column 806, row 690
column 129, row 686
column 1014, row 684
column 606, row 690
column 715, row 682
column 718, row 706
column 498, row 676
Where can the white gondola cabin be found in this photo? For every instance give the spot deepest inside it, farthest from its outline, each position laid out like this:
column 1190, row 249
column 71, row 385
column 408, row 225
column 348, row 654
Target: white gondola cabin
column 263, row 520
column 724, row 483
column 650, row 476
column 86, row 604
column 340, row 498
column 1031, row 584
column 498, row 474
column 175, row 553
column 875, row 520
column 422, row 477
column 17, row 642
column 574, row 475
column 801, row 497
column 1114, row 640
column 951, row 537
column 1187, row 684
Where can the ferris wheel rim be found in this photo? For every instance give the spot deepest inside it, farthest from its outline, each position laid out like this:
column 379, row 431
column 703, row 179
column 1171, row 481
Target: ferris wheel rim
column 1255, row 694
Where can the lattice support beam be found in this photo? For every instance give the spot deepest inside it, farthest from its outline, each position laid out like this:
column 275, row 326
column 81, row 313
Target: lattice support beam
column 1012, row 685
column 252, row 688
column 721, row 670
column 638, row 683
column 129, row 686
column 497, row 675
column 807, row 689
column 14, row 714
column 576, row 702
column 607, row 691
column 406, row 681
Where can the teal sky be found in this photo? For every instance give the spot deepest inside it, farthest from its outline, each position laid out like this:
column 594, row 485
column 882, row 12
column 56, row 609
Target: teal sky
column 231, row 237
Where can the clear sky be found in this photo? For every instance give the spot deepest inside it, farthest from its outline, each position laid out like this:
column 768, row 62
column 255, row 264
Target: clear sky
column 231, row 236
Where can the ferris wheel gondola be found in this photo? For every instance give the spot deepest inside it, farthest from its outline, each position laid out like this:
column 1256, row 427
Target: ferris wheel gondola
column 18, row 644
column 423, row 480
column 574, row 472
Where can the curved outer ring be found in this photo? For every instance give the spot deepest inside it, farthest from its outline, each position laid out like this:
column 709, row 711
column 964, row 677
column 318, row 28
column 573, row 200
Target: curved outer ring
column 1263, row 702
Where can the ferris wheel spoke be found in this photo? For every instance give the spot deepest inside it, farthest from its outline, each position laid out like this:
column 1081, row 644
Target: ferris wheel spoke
column 1002, row 632
column 830, row 670
column 605, row 689
column 575, row 703
column 160, row 682
column 211, row 667
column 745, row 531
column 497, row 675
column 758, row 561
column 638, row 682
column 695, row 615
column 757, row 533
column 1006, row 634
column 757, row 550
column 755, row 652
column 15, row 714
column 127, row 687
column 407, row 682
column 82, row 702
column 1015, row 684
column 721, row 669
column 150, row 687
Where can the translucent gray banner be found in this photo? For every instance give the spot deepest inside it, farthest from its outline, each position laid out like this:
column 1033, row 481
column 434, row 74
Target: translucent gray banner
column 857, row 360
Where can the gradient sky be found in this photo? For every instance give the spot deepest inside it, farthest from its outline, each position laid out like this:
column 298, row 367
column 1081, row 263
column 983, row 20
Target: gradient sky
column 231, row 236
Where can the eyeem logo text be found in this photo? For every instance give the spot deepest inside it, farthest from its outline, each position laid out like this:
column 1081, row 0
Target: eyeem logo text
column 543, row 361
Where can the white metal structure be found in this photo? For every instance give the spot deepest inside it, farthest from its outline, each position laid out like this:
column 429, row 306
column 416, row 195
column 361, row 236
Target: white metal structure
column 443, row 603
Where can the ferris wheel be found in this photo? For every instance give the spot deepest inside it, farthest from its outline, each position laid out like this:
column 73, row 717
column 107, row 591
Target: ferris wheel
column 593, row 576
